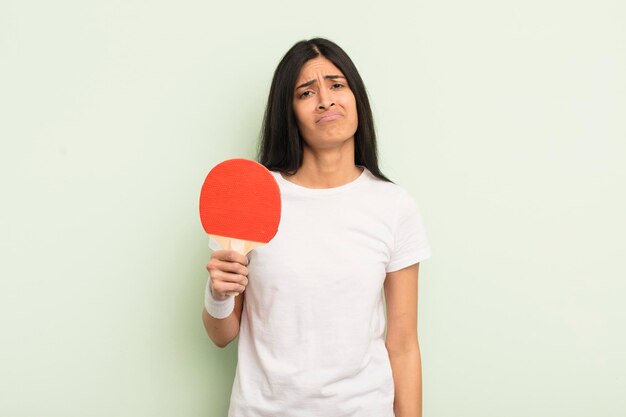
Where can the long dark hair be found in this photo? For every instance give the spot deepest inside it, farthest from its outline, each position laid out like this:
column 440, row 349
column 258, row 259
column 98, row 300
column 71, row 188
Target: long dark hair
column 281, row 146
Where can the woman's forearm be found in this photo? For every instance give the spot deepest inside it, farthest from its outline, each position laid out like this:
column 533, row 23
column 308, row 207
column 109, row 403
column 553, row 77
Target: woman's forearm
column 221, row 331
column 406, row 367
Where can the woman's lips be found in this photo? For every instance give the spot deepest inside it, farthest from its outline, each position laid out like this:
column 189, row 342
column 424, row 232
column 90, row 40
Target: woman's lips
column 328, row 117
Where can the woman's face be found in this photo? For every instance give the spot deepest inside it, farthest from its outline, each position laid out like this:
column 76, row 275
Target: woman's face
column 324, row 105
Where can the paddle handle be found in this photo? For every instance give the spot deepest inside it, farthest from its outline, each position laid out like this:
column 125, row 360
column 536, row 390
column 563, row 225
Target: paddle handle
column 241, row 246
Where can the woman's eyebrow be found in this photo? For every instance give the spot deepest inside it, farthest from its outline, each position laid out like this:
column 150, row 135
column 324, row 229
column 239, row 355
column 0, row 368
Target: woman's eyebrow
column 326, row 77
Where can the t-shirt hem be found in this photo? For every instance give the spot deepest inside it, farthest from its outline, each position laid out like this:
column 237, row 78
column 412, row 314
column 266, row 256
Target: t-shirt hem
column 409, row 260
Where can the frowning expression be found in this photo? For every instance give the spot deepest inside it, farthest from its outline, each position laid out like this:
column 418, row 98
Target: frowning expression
column 324, row 104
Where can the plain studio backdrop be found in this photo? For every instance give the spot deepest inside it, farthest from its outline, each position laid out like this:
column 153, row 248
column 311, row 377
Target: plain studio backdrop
column 504, row 120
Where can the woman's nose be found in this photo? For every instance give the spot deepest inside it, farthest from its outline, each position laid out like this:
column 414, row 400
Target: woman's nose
column 325, row 100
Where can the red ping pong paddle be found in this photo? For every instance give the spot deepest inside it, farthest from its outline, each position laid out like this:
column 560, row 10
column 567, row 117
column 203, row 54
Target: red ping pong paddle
column 240, row 205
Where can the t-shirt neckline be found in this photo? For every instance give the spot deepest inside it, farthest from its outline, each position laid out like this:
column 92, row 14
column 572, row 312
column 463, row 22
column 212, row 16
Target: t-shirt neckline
column 320, row 191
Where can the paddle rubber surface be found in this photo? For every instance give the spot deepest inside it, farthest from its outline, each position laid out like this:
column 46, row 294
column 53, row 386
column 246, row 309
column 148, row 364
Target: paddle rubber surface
column 240, row 199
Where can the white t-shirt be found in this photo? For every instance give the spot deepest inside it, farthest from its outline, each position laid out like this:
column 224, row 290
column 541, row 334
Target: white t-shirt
column 311, row 340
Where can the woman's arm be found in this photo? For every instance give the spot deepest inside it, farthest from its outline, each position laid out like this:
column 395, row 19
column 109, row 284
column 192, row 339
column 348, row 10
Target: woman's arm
column 401, row 342
column 227, row 273
column 223, row 331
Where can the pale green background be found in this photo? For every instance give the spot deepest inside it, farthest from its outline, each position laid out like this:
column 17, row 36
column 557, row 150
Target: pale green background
column 505, row 120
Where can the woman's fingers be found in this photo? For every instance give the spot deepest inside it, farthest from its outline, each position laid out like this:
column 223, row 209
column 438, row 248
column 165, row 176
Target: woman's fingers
column 233, row 267
column 228, row 273
column 230, row 256
column 222, row 287
column 228, row 277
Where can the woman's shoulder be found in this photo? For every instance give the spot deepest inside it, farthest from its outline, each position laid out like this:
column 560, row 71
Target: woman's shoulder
column 396, row 196
column 382, row 185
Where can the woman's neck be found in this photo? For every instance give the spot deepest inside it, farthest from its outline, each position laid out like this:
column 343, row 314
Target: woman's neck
column 327, row 169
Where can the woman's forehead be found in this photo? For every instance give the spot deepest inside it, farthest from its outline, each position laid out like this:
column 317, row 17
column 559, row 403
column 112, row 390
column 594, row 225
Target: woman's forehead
column 316, row 67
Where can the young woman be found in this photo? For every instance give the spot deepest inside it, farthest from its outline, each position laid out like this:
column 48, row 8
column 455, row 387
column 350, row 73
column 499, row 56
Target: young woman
column 310, row 314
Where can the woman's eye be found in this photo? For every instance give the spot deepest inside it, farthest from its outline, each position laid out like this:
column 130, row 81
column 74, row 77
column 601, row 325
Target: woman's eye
column 305, row 94
column 337, row 85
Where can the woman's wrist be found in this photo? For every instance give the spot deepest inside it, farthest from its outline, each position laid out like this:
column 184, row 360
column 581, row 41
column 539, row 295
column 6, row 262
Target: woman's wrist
column 220, row 309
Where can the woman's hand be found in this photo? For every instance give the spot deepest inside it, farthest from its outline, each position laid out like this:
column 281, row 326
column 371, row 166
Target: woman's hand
column 228, row 273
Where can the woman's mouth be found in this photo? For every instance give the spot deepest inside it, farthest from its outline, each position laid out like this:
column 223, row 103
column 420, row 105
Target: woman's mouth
column 329, row 116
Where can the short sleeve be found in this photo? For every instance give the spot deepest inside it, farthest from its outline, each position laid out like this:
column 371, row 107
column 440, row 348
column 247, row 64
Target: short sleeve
column 410, row 243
